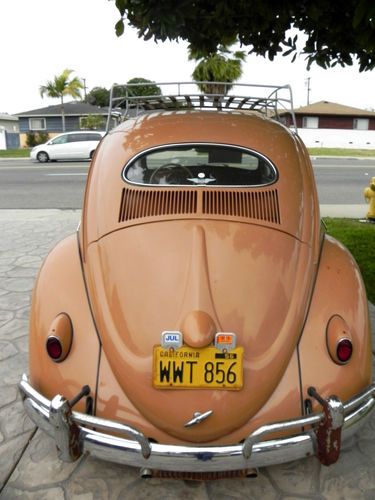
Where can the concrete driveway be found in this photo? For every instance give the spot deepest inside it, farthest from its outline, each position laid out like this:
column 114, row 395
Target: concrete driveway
column 29, row 468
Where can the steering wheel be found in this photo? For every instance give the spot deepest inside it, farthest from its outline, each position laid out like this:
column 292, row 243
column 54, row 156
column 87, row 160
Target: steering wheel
column 170, row 173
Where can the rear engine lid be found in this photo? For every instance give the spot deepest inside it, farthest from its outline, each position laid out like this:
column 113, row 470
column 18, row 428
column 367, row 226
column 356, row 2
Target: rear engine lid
column 199, row 278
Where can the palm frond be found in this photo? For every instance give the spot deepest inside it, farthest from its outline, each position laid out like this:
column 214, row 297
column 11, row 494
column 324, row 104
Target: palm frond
column 222, row 66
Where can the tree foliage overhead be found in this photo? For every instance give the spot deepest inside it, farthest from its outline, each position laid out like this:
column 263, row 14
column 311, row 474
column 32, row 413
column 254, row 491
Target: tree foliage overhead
column 335, row 32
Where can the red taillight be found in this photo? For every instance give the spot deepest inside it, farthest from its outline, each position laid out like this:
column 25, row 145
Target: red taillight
column 344, row 350
column 60, row 338
column 339, row 340
column 54, row 348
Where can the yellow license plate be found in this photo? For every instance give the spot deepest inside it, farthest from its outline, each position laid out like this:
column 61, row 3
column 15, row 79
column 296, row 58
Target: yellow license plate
column 187, row 368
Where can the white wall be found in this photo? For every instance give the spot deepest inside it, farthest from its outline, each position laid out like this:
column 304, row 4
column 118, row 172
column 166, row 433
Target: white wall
column 2, row 138
column 334, row 138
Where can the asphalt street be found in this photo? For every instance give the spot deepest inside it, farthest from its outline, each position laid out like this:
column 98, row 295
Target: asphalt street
column 23, row 184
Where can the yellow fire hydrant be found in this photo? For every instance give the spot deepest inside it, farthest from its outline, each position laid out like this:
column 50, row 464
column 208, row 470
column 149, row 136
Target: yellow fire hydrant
column 369, row 194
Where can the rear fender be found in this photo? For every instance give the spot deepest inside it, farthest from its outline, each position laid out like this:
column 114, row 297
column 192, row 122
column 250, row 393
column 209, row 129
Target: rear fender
column 60, row 288
column 339, row 290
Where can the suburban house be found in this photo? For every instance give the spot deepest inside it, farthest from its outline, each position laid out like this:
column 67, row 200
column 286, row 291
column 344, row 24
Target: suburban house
column 328, row 124
column 49, row 120
column 321, row 124
column 9, row 137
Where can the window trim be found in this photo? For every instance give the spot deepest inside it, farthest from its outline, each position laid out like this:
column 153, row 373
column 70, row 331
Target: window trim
column 199, row 186
column 309, row 117
column 80, row 123
column 43, row 120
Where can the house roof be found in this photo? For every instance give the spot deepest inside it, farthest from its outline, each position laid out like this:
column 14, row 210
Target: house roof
column 6, row 117
column 332, row 108
column 70, row 108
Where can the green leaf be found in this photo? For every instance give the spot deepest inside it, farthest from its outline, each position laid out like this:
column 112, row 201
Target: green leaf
column 119, row 27
column 147, row 35
column 121, row 5
column 287, row 52
column 359, row 13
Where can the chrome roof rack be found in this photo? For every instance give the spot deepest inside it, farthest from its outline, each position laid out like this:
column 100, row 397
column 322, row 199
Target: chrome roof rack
column 271, row 100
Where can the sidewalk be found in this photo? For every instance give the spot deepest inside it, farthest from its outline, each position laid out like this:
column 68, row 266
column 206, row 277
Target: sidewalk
column 346, row 211
column 29, row 468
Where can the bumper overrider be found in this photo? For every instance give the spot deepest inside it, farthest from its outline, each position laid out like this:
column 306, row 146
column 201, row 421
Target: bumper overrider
column 317, row 434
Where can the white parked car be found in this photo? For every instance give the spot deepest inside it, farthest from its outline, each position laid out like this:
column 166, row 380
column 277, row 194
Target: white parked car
column 68, row 146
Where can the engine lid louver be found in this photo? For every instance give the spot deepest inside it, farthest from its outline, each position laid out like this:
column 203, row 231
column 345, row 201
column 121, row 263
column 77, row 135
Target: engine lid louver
column 262, row 204
column 139, row 203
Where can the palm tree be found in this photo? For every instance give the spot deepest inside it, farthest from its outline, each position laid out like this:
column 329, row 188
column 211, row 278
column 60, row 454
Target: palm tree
column 220, row 66
column 61, row 86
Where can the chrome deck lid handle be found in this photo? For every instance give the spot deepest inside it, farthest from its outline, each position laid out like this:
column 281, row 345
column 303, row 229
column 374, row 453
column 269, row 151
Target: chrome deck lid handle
column 198, row 418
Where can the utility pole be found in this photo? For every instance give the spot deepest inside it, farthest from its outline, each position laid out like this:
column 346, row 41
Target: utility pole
column 307, row 83
column 84, row 87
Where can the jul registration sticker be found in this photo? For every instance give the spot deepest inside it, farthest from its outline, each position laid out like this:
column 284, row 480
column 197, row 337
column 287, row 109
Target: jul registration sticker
column 171, row 340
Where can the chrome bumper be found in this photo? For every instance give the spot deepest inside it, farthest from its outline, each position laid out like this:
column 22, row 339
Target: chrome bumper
column 74, row 435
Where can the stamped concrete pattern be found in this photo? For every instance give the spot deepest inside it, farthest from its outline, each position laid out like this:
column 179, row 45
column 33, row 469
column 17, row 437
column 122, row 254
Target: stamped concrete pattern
column 29, row 468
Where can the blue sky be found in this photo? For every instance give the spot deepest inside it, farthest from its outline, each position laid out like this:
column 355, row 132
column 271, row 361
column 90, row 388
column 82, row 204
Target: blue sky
column 40, row 38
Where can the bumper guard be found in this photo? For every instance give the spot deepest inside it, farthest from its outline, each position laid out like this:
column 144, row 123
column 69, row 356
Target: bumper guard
column 74, row 435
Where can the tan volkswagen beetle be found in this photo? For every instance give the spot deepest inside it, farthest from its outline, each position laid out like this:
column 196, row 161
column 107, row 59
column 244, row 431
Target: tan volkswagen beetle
column 200, row 324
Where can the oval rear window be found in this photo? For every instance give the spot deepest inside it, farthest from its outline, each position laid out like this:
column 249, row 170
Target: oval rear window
column 200, row 165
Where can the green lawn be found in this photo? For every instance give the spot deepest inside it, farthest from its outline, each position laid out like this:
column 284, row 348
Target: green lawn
column 359, row 238
column 341, row 152
column 14, row 153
